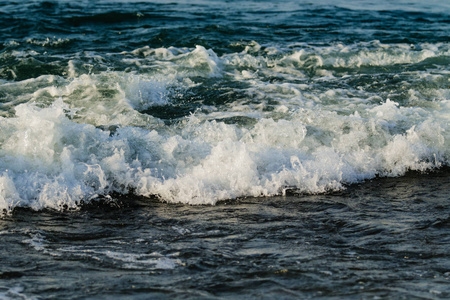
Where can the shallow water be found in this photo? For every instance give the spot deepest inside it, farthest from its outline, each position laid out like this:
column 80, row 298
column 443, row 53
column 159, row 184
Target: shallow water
column 387, row 238
column 223, row 149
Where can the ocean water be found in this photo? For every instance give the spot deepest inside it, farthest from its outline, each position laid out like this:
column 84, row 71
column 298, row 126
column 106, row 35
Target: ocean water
column 224, row 149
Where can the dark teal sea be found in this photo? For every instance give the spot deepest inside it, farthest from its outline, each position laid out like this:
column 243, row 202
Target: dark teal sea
column 224, row 149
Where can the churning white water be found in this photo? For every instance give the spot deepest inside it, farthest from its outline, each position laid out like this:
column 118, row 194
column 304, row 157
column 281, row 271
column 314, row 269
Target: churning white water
column 303, row 117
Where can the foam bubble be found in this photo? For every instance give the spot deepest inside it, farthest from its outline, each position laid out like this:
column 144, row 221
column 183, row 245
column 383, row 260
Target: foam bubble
column 15, row 292
column 68, row 162
column 284, row 127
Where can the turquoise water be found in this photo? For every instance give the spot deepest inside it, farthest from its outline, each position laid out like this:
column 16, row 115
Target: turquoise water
column 213, row 149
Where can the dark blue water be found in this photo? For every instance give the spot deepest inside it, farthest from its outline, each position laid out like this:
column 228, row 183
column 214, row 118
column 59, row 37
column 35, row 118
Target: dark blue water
column 224, row 149
column 387, row 238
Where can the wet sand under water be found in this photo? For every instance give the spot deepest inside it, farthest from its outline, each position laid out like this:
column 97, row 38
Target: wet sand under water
column 388, row 238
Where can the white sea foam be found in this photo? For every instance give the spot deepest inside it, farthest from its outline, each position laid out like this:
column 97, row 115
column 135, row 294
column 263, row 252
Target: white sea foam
column 107, row 252
column 151, row 261
column 15, row 292
column 58, row 148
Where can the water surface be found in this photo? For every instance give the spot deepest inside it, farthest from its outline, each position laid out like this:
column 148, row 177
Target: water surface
column 217, row 149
